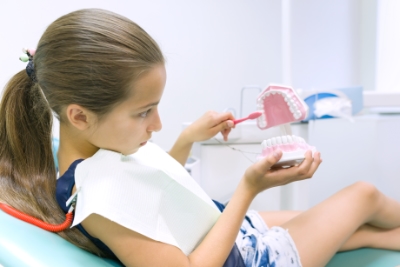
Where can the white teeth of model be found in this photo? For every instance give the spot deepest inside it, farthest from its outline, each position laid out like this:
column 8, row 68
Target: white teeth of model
column 290, row 139
column 295, row 109
column 267, row 94
column 264, row 144
column 263, row 120
column 302, row 140
column 279, row 140
column 291, row 109
column 273, row 141
column 284, row 140
column 295, row 140
column 286, row 99
column 269, row 143
column 273, row 92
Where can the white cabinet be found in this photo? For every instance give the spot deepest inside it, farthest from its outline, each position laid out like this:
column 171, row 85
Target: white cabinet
column 367, row 149
column 222, row 168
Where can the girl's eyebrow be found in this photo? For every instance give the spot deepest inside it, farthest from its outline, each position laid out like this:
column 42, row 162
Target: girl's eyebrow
column 149, row 105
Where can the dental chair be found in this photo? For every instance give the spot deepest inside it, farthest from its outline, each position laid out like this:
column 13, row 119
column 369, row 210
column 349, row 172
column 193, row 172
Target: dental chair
column 23, row 245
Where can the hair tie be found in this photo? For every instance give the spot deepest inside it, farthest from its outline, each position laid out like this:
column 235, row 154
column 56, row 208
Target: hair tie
column 27, row 56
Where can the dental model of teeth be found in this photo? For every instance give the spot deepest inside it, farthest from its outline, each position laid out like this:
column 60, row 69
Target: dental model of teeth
column 293, row 149
column 280, row 105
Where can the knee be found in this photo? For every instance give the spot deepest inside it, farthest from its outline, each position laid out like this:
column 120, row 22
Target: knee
column 367, row 191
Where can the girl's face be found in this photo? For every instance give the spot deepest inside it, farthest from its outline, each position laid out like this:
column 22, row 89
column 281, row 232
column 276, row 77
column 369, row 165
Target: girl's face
column 130, row 124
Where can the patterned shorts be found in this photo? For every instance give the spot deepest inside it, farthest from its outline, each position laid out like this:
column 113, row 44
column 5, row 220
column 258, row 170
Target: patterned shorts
column 264, row 247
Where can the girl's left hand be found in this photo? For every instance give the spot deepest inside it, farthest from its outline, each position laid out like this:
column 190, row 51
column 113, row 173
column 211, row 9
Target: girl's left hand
column 208, row 125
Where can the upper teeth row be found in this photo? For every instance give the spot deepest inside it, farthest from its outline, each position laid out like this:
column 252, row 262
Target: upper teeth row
column 279, row 140
column 289, row 100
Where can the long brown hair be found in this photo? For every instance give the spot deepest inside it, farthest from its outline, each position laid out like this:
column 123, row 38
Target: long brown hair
column 88, row 57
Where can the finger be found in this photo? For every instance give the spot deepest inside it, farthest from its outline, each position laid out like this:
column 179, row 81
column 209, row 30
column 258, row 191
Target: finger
column 218, row 118
column 287, row 175
column 267, row 162
column 225, row 133
column 228, row 124
column 305, row 166
column 314, row 166
column 309, row 167
column 284, row 175
column 226, row 116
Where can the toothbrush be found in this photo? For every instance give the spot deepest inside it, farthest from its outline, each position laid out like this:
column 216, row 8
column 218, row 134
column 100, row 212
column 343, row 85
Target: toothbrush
column 252, row 116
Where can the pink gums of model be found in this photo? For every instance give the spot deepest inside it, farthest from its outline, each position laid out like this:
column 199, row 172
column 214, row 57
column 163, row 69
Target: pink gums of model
column 281, row 105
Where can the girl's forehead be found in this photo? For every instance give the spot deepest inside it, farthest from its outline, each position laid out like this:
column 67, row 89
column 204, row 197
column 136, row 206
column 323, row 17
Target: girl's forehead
column 149, row 88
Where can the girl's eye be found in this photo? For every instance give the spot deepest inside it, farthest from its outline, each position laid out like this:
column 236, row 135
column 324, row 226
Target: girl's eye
column 144, row 114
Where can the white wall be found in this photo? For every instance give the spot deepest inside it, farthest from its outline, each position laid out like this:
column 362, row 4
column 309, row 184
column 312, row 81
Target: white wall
column 368, row 44
column 213, row 48
column 332, row 43
column 388, row 57
column 324, row 44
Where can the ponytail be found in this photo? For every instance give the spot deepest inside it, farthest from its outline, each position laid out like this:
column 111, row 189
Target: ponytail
column 27, row 168
column 89, row 57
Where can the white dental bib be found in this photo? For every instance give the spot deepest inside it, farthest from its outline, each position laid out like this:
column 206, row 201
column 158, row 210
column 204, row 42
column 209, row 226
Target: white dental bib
column 148, row 192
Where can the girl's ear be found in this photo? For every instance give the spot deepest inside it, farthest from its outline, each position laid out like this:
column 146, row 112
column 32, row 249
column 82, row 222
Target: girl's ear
column 79, row 117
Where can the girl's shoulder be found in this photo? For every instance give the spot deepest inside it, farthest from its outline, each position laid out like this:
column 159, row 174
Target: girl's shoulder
column 65, row 185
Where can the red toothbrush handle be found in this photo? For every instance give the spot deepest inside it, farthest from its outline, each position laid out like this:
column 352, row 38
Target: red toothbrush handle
column 239, row 120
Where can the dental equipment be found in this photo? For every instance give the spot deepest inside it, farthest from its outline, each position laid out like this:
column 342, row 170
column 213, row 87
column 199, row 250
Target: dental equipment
column 32, row 220
column 280, row 105
column 252, row 116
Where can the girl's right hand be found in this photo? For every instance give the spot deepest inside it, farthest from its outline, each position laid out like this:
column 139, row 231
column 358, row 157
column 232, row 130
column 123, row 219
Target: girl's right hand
column 262, row 175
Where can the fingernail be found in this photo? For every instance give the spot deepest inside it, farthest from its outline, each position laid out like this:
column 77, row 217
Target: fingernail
column 277, row 154
column 230, row 124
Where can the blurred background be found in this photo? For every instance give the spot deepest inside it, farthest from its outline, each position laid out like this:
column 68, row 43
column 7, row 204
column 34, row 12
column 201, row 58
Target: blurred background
column 215, row 49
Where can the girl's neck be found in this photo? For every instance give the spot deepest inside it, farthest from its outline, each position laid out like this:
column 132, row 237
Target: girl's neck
column 72, row 146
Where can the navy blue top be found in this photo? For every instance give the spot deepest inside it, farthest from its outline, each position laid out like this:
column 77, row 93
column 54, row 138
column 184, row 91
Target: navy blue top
column 64, row 188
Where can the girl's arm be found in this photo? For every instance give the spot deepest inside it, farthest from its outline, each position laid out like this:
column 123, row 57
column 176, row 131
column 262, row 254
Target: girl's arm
column 204, row 128
column 134, row 249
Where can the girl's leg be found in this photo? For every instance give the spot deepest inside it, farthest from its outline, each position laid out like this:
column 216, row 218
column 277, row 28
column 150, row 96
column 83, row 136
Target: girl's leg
column 373, row 237
column 365, row 236
column 277, row 218
column 321, row 231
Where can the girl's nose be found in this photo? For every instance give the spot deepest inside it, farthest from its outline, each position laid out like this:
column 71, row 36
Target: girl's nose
column 155, row 124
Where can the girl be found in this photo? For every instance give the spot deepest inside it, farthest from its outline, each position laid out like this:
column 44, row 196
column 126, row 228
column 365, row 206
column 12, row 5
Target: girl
column 103, row 76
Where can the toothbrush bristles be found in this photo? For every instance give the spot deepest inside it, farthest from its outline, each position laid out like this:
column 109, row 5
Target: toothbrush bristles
column 255, row 115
